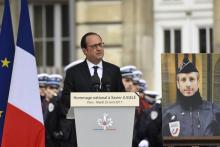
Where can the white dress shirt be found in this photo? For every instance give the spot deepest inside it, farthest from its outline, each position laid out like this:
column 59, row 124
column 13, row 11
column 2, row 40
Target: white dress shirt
column 91, row 69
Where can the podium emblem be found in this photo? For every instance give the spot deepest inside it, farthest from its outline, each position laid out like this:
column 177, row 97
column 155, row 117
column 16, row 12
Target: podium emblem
column 105, row 122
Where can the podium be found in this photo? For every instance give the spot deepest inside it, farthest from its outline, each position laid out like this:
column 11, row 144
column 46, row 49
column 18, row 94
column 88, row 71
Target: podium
column 104, row 119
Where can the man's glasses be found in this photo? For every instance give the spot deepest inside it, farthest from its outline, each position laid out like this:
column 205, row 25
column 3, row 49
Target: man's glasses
column 95, row 46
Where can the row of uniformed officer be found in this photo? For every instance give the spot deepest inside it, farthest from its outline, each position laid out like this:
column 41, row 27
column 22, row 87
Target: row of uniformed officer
column 58, row 132
column 147, row 124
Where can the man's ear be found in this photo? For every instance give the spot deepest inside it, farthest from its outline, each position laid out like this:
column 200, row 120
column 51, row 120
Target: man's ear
column 177, row 84
column 84, row 51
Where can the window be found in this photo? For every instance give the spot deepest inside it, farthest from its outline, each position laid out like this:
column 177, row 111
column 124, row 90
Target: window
column 205, row 40
column 51, row 35
column 172, row 40
column 44, row 34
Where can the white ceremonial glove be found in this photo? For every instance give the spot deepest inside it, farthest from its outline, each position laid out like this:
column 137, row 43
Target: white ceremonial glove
column 143, row 143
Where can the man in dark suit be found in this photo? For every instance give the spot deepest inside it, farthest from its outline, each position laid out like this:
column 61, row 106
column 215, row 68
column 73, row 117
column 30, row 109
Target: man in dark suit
column 80, row 78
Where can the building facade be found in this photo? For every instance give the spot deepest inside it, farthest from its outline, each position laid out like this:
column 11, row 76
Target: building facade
column 134, row 32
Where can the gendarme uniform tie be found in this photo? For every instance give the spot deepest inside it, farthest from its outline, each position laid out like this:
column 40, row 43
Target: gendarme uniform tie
column 95, row 72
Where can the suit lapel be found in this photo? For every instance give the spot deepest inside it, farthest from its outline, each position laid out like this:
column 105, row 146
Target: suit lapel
column 86, row 72
column 105, row 72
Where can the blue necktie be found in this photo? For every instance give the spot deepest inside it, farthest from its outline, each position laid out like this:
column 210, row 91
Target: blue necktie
column 95, row 72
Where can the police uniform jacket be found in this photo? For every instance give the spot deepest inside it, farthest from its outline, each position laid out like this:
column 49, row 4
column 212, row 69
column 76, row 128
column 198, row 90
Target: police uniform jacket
column 202, row 119
column 149, row 127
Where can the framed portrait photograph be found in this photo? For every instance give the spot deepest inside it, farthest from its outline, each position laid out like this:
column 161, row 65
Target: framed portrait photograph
column 191, row 99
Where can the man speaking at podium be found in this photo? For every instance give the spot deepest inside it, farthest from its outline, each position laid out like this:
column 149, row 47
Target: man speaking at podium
column 93, row 74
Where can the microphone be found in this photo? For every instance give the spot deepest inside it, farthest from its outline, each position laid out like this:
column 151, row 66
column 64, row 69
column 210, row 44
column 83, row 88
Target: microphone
column 106, row 84
column 95, row 83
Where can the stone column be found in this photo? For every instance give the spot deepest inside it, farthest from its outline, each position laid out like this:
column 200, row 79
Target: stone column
column 144, row 39
column 128, row 43
column 138, row 36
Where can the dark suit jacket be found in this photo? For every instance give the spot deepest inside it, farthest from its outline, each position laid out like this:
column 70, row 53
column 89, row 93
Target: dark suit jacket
column 78, row 79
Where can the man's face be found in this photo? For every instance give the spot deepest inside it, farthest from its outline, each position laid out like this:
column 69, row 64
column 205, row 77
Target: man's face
column 51, row 92
column 42, row 90
column 135, row 87
column 187, row 83
column 127, row 82
column 94, row 51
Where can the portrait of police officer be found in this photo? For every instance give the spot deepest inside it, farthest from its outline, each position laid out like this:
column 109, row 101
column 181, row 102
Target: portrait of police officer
column 191, row 114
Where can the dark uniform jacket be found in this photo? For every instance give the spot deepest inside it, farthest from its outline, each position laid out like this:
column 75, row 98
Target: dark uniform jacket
column 149, row 127
column 198, row 120
column 51, row 122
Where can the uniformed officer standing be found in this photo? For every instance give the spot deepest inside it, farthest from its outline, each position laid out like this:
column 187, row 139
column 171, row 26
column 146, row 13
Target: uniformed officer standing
column 127, row 77
column 148, row 134
column 190, row 115
column 51, row 111
column 136, row 77
column 42, row 79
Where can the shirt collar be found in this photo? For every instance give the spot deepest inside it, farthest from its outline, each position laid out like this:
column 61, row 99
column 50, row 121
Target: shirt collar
column 90, row 64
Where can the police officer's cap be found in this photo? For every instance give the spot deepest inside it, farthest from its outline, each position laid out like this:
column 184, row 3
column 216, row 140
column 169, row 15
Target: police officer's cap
column 151, row 93
column 136, row 80
column 137, row 74
column 127, row 71
column 43, row 79
column 72, row 64
column 143, row 85
column 186, row 66
column 150, row 96
column 55, row 80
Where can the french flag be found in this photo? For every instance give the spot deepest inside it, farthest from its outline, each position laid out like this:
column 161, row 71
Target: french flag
column 24, row 120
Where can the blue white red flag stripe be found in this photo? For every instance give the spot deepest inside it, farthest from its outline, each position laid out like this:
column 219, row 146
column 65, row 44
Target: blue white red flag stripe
column 24, row 120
